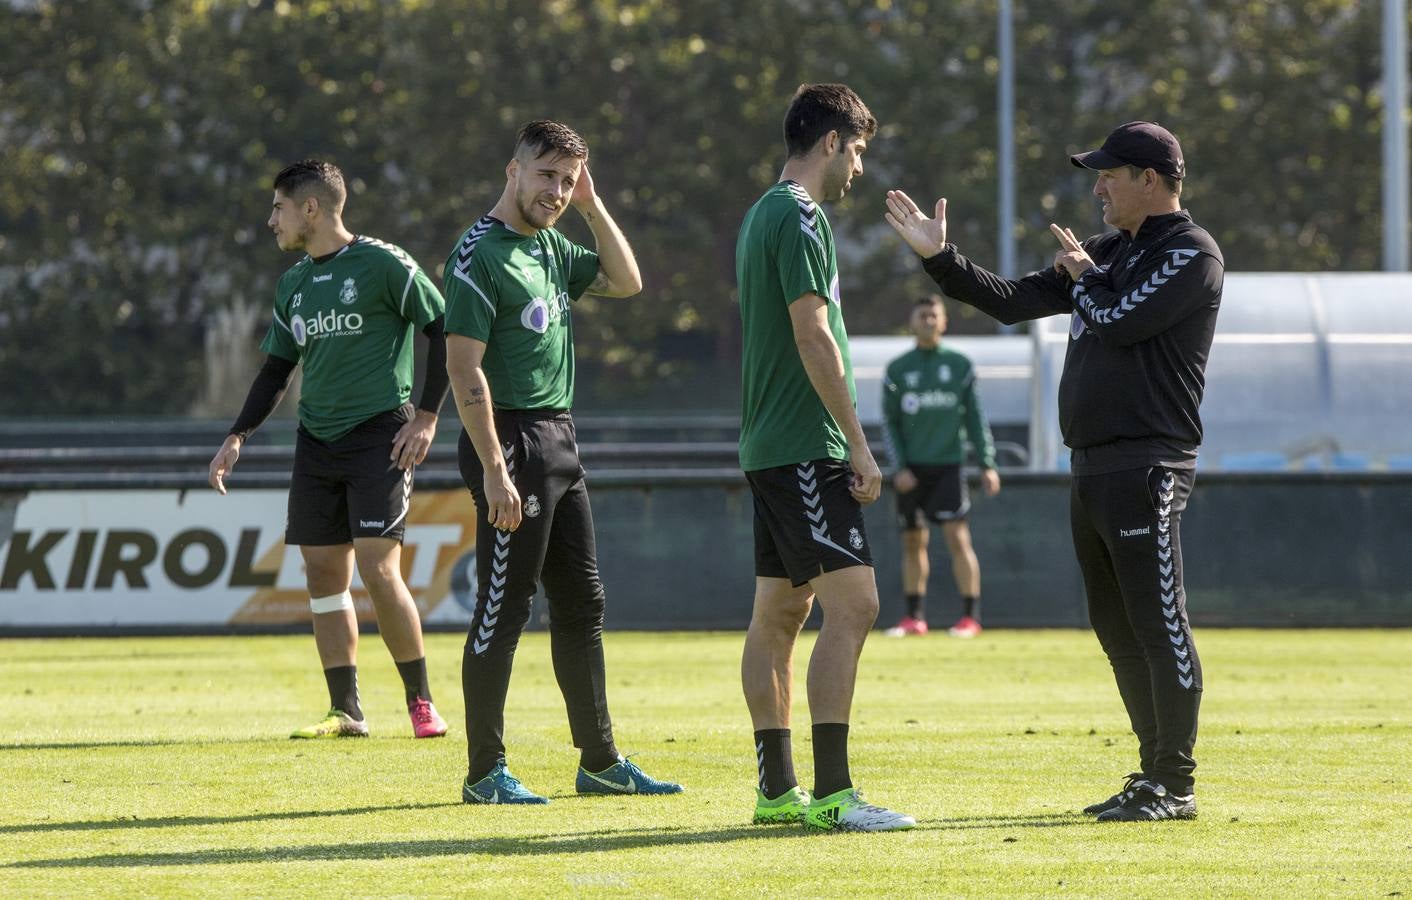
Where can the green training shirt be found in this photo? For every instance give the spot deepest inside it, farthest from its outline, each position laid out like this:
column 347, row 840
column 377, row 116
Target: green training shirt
column 785, row 250
column 348, row 319
column 930, row 410
column 513, row 291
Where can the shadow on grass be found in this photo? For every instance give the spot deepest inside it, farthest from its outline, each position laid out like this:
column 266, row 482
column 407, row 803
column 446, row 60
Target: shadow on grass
column 529, row 845
column 136, row 742
column 184, row 821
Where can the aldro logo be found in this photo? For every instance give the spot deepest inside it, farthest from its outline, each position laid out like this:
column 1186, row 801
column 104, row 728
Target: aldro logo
column 914, row 402
column 325, row 324
column 539, row 313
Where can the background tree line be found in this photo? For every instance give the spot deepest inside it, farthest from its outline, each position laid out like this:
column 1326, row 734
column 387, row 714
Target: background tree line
column 140, row 138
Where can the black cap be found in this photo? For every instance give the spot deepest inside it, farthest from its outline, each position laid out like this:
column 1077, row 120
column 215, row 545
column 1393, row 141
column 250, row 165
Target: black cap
column 1146, row 145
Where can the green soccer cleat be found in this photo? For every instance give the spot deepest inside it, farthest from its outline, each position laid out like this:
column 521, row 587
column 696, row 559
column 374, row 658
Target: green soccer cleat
column 789, row 807
column 337, row 724
column 846, row 810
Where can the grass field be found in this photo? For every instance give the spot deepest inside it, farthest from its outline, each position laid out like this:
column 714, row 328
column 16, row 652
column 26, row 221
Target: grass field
column 160, row 766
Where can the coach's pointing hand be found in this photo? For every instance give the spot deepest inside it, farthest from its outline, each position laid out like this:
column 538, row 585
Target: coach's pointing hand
column 925, row 236
column 223, row 462
column 1072, row 257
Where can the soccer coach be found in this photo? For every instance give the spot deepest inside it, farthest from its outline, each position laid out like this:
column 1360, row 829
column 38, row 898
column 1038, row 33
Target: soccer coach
column 1143, row 301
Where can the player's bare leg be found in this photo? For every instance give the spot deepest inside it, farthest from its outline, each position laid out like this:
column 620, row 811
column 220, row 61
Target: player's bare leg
column 329, row 573
column 850, row 601
column 767, row 675
column 849, row 598
column 916, row 569
column 966, row 569
column 767, row 664
column 399, row 622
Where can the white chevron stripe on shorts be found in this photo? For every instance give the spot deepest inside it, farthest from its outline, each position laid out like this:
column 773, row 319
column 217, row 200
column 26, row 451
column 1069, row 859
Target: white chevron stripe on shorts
column 1167, row 577
column 814, row 509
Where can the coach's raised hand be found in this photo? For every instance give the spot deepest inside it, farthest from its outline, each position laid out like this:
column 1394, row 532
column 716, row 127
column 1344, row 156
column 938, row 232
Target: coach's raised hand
column 925, row 236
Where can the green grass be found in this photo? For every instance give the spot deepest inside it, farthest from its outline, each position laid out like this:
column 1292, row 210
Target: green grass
column 160, row 766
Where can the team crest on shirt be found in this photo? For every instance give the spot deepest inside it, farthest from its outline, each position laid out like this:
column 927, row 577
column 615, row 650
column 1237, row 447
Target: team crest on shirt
column 855, row 539
column 532, row 506
column 349, row 294
column 944, row 373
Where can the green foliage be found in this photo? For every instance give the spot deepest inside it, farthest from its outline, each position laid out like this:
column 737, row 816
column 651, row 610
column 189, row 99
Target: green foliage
column 141, row 139
column 161, row 767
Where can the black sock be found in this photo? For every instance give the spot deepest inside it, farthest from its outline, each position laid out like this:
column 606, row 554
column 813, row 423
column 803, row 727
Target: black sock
column 343, row 690
column 596, row 759
column 972, row 607
column 481, row 768
column 916, row 605
column 414, row 679
column 775, row 760
column 831, row 759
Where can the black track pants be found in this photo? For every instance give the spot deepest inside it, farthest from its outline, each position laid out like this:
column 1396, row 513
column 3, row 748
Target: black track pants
column 1127, row 534
column 554, row 545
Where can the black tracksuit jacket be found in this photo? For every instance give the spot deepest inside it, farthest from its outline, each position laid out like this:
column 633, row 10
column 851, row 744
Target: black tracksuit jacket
column 1144, row 315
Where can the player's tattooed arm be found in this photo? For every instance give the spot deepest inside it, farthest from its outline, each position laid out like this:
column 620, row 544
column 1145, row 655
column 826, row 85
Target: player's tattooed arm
column 475, row 396
column 464, row 356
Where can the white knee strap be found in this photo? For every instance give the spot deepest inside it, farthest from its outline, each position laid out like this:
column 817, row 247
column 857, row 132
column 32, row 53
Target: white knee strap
column 332, row 603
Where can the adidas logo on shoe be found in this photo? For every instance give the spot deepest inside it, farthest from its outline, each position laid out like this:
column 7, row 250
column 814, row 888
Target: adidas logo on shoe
column 1149, row 801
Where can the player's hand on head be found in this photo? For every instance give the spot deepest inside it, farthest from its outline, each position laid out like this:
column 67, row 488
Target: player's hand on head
column 867, row 477
column 584, row 192
column 926, row 236
column 222, row 463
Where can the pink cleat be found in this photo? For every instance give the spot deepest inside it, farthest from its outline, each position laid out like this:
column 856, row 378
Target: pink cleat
column 907, row 626
column 966, row 627
column 426, row 723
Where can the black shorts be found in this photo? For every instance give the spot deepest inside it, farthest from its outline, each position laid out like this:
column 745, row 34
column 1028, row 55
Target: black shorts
column 940, row 496
column 350, row 487
column 806, row 521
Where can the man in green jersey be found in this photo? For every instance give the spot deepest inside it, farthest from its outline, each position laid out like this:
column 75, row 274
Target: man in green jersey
column 510, row 283
column 345, row 312
column 930, row 413
column 808, row 464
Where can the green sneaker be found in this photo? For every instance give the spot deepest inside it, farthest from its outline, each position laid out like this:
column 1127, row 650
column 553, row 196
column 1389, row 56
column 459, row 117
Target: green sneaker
column 787, row 807
column 847, row 811
column 336, row 724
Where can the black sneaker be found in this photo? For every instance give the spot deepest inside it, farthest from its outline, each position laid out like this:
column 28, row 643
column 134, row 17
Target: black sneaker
column 1113, row 802
column 1148, row 801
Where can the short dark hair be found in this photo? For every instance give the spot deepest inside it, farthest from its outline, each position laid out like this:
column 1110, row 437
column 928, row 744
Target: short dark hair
column 313, row 176
column 931, row 300
column 544, row 136
column 1170, row 182
column 818, row 109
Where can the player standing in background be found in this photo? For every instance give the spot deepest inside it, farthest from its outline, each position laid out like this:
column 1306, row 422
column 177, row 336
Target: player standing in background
column 1142, row 301
column 346, row 312
column 930, row 412
column 509, row 285
column 808, row 464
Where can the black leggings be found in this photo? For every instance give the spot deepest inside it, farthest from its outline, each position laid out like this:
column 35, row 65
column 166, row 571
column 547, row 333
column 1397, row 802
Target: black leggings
column 554, row 545
column 1127, row 534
